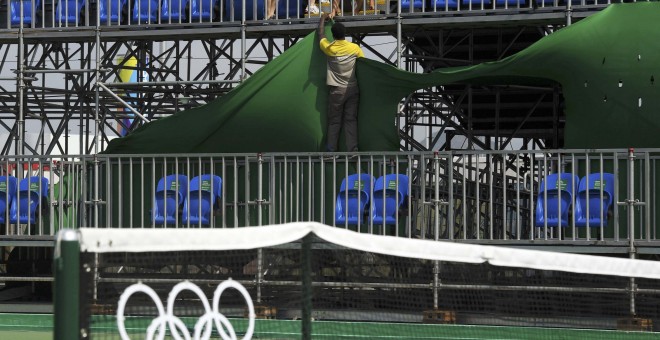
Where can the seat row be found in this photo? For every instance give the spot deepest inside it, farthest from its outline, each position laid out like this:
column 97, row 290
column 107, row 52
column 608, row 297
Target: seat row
column 385, row 200
column 439, row 5
column 189, row 202
column 593, row 199
column 23, row 199
column 71, row 12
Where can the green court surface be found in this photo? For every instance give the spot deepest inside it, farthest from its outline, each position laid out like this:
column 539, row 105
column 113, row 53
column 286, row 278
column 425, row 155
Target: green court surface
column 26, row 326
column 39, row 326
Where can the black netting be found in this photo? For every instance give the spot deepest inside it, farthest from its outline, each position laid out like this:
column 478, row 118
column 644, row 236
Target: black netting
column 358, row 294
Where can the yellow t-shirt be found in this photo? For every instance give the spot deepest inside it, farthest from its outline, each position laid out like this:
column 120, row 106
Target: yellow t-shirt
column 341, row 61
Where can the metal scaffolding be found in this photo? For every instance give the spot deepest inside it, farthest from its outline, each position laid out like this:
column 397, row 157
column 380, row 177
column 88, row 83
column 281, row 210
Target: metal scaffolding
column 63, row 80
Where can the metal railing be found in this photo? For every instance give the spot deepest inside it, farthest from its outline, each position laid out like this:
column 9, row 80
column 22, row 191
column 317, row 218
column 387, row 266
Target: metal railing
column 80, row 13
column 474, row 196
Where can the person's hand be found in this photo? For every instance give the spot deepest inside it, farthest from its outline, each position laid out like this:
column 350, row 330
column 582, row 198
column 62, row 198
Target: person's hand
column 325, row 16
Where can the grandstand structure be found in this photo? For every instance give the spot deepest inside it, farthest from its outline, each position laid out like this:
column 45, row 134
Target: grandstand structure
column 61, row 61
column 60, row 64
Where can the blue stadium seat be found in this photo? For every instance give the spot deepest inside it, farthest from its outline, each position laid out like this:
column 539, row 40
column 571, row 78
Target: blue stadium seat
column 69, row 12
column 526, row 4
column 417, row 5
column 250, row 7
column 589, row 193
column 173, row 10
column 169, row 197
column 203, row 10
column 116, row 13
column 292, row 9
column 388, row 198
column 353, row 198
column 440, row 5
column 32, row 197
column 15, row 11
column 476, row 4
column 205, row 194
column 559, row 193
column 145, row 11
column 7, row 195
column 511, row 3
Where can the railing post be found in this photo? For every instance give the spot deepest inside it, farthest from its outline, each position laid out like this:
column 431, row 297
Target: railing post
column 630, row 203
column 260, row 183
column 260, row 251
column 631, row 221
column 95, row 194
column 450, row 188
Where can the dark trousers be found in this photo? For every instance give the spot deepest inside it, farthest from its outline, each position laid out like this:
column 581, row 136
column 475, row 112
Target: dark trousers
column 342, row 110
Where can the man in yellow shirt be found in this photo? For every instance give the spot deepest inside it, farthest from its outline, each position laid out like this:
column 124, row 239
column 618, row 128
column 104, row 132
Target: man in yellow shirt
column 343, row 94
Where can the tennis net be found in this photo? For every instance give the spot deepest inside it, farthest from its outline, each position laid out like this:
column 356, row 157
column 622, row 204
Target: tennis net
column 307, row 280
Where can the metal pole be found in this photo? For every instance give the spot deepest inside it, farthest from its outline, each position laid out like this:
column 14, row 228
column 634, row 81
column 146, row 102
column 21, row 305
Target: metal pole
column 243, row 42
column 398, row 34
column 436, row 264
column 260, row 251
column 97, row 74
column 21, row 88
column 631, row 221
column 306, row 262
column 93, row 70
column 128, row 106
column 66, row 287
column 260, row 183
column 165, row 83
column 450, row 188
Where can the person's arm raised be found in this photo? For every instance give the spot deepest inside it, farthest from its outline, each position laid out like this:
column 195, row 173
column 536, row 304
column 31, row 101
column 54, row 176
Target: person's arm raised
column 321, row 29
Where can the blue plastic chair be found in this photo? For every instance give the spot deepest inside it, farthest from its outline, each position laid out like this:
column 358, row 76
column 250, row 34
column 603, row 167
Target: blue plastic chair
column 353, row 198
column 249, row 9
column 69, row 12
column 15, row 11
column 476, row 4
column 589, row 194
column 169, row 197
column 32, row 194
column 173, row 10
column 388, row 198
column 559, row 193
column 205, row 193
column 440, row 5
column 526, row 4
column 115, row 14
column 7, row 195
column 293, row 9
column 145, row 11
column 417, row 5
column 511, row 3
column 203, row 10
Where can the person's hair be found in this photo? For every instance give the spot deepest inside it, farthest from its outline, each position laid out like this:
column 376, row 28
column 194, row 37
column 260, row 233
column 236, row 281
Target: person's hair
column 338, row 31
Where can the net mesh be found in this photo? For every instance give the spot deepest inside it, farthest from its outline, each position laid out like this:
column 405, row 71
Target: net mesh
column 354, row 294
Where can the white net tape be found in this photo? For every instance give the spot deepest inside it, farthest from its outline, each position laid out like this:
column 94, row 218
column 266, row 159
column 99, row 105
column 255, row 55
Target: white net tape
column 143, row 240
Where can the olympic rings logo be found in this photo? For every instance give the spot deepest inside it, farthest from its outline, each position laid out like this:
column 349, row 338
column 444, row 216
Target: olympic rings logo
column 178, row 329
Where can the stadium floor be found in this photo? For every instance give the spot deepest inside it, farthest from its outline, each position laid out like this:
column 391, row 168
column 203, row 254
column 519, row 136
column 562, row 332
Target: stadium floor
column 39, row 327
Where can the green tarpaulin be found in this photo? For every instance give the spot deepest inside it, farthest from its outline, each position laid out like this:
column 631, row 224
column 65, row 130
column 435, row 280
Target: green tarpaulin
column 607, row 65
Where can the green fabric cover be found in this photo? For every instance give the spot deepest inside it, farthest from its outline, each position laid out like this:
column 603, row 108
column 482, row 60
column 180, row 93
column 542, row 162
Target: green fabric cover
column 606, row 64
